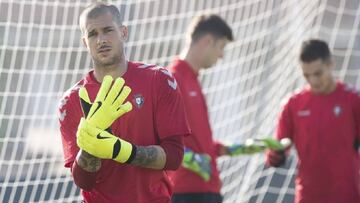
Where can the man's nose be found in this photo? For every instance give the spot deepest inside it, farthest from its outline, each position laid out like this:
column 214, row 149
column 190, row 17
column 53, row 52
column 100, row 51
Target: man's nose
column 101, row 39
column 313, row 80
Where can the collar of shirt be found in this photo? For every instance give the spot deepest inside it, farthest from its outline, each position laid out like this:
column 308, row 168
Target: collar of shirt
column 90, row 78
column 185, row 68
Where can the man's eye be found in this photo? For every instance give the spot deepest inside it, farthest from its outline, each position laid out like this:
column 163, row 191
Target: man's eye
column 318, row 74
column 90, row 34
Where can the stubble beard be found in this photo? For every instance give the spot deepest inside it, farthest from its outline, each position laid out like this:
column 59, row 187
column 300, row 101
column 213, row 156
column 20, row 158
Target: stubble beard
column 108, row 62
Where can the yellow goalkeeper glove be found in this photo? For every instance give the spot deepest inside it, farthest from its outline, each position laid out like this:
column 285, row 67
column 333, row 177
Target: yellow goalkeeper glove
column 103, row 144
column 109, row 103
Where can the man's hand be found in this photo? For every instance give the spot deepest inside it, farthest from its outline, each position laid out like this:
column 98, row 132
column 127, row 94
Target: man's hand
column 275, row 158
column 198, row 163
column 108, row 105
column 277, row 153
column 103, row 144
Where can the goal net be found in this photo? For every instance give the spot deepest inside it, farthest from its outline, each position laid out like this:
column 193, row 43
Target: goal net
column 41, row 56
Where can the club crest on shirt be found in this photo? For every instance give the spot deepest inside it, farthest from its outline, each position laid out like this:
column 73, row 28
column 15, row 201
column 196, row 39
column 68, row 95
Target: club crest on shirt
column 138, row 100
column 337, row 110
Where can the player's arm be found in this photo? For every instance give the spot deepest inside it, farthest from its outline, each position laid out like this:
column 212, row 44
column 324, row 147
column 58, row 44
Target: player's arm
column 356, row 113
column 169, row 116
column 84, row 170
column 220, row 148
column 277, row 157
column 104, row 145
column 250, row 146
column 108, row 106
column 152, row 156
column 169, row 153
column 254, row 145
column 166, row 156
column 88, row 162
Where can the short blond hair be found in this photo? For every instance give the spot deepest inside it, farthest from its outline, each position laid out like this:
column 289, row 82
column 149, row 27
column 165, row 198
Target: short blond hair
column 96, row 9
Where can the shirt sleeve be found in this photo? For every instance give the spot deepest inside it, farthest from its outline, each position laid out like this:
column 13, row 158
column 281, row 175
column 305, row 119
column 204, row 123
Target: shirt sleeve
column 69, row 118
column 174, row 150
column 219, row 148
column 169, row 110
column 83, row 179
column 285, row 125
column 356, row 109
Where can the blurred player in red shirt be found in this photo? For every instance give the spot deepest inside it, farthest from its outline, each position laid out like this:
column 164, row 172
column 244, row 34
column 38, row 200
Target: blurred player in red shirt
column 151, row 133
column 197, row 180
column 323, row 122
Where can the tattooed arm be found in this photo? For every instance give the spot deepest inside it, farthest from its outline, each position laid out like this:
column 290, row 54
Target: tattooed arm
column 150, row 157
column 166, row 156
column 84, row 170
column 88, row 162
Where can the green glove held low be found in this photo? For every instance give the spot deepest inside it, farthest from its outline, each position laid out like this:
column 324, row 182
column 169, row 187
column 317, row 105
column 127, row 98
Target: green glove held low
column 198, row 163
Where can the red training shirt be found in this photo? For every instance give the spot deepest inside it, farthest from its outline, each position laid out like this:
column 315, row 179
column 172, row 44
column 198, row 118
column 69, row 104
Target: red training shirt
column 157, row 113
column 324, row 129
column 200, row 139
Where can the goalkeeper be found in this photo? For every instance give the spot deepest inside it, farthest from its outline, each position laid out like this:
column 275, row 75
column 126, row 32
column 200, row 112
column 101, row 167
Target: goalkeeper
column 197, row 180
column 118, row 137
column 323, row 121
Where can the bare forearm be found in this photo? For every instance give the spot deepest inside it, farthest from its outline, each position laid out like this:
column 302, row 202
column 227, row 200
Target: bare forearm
column 87, row 161
column 150, row 157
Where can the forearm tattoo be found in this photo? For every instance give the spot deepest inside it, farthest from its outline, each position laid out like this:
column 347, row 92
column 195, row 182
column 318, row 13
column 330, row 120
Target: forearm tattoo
column 145, row 156
column 88, row 162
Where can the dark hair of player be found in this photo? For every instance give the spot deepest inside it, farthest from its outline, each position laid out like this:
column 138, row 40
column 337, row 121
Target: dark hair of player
column 314, row 49
column 209, row 24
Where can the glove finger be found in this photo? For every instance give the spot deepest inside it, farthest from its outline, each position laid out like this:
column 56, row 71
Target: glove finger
column 104, row 88
column 123, row 109
column 88, row 148
column 101, row 95
column 120, row 99
column 115, row 90
column 83, row 136
column 89, row 129
column 80, row 141
column 86, row 142
column 84, row 101
column 81, row 124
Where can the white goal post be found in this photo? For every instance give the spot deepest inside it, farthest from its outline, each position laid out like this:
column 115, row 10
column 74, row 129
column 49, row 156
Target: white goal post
column 41, row 56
